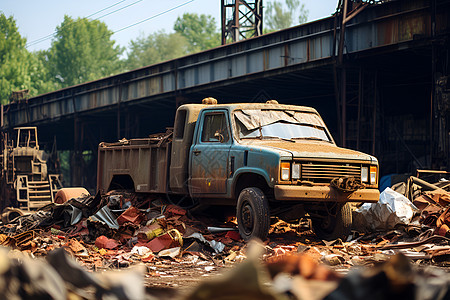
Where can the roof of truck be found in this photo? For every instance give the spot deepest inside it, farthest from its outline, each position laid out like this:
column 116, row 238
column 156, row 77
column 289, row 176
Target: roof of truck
column 234, row 106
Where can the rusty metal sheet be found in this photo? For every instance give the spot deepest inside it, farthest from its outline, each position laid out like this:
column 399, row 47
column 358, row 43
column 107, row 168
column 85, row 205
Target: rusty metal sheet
column 239, row 66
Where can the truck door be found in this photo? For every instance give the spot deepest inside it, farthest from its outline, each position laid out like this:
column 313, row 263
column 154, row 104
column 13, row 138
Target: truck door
column 209, row 154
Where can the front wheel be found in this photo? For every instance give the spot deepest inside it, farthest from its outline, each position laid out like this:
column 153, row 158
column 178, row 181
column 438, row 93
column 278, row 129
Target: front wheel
column 253, row 214
column 336, row 224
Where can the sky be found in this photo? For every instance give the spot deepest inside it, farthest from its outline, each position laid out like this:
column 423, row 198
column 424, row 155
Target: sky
column 37, row 20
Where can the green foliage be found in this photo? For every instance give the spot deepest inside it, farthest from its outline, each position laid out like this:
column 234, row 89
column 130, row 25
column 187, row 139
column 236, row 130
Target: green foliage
column 199, row 30
column 155, row 48
column 280, row 16
column 193, row 33
column 64, row 160
column 83, row 51
column 41, row 79
column 14, row 62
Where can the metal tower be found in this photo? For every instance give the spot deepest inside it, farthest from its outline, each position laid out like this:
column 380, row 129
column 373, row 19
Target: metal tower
column 241, row 19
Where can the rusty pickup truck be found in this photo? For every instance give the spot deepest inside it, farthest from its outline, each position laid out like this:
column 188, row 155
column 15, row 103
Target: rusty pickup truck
column 266, row 159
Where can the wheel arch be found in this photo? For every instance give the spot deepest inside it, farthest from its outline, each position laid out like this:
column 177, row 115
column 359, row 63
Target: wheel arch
column 121, row 182
column 251, row 179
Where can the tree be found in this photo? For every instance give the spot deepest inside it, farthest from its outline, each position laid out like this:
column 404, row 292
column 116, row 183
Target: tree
column 199, row 30
column 156, row 47
column 279, row 16
column 14, row 61
column 83, row 51
column 41, row 78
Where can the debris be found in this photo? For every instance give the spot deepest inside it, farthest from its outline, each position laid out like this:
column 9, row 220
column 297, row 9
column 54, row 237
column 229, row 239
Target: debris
column 246, row 281
column 175, row 210
column 172, row 252
column 435, row 238
column 103, row 242
column 166, row 240
column 151, row 231
column 219, row 229
column 170, row 239
column 443, row 223
column 333, row 259
column 140, row 250
column 104, row 215
column 391, row 210
column 234, row 235
column 77, row 248
column 346, row 183
column 65, row 194
column 24, row 278
column 132, row 215
column 217, row 246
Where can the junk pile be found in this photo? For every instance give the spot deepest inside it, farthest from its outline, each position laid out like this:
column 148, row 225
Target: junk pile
column 60, row 277
column 260, row 276
column 76, row 247
column 415, row 215
column 298, row 276
column 111, row 231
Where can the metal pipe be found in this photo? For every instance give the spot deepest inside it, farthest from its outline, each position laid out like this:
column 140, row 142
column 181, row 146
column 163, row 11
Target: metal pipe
column 344, row 105
column 360, row 102
column 426, row 184
column 374, row 124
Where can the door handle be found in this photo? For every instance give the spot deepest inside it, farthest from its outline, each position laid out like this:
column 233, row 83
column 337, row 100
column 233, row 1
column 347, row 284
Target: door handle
column 197, row 152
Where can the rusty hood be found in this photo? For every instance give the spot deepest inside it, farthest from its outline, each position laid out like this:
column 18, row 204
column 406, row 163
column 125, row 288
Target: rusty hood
column 309, row 149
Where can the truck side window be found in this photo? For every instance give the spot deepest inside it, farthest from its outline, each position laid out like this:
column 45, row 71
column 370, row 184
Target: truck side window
column 180, row 123
column 215, row 128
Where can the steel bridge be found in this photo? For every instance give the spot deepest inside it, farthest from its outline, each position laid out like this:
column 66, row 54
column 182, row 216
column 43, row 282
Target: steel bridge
column 381, row 85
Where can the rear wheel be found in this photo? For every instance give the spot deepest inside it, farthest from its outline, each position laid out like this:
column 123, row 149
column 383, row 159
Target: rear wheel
column 253, row 214
column 336, row 224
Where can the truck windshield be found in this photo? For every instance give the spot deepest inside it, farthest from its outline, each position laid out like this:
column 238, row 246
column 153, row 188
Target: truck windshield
column 280, row 124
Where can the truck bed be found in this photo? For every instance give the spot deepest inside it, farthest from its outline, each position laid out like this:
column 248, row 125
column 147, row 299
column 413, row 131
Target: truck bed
column 144, row 161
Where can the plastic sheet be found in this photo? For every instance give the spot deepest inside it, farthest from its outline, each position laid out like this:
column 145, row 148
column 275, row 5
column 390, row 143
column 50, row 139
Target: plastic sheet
column 391, row 210
column 217, row 246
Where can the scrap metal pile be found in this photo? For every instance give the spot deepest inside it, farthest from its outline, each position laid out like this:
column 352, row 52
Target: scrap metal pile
column 396, row 237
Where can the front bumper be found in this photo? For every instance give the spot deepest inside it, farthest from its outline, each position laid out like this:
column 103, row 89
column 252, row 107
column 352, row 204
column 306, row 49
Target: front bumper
column 323, row 193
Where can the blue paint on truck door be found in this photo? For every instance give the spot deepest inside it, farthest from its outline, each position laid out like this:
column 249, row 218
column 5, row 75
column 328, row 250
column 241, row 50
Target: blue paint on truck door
column 209, row 154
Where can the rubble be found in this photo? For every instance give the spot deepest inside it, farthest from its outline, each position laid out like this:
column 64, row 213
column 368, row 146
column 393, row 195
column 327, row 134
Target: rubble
column 116, row 231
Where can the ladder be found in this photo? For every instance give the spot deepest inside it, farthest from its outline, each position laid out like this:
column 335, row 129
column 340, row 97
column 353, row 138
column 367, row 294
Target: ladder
column 32, row 195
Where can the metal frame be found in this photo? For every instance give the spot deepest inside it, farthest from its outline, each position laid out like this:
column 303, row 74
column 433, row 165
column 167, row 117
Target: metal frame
column 241, row 19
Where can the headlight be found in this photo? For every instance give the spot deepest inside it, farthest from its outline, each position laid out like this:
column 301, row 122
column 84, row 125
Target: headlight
column 364, row 174
column 295, row 171
column 285, row 170
column 373, row 175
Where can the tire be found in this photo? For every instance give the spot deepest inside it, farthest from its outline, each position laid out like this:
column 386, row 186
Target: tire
column 253, row 214
column 336, row 226
column 10, row 214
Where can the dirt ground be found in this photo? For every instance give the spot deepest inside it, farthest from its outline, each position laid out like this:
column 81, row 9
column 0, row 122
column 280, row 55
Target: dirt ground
column 169, row 279
column 176, row 279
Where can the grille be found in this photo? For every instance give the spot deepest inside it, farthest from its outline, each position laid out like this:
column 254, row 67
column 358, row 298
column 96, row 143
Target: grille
column 326, row 172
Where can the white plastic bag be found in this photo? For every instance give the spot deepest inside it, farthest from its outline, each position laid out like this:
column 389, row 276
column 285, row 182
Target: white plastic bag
column 392, row 209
